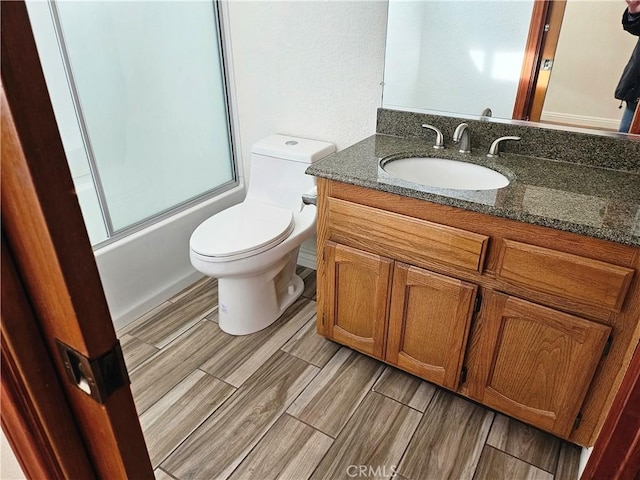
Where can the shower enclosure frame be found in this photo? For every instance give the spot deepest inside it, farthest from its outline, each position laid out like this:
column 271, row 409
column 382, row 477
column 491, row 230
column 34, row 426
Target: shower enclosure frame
column 113, row 234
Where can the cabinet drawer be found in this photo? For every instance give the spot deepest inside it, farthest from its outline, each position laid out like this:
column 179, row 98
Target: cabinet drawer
column 586, row 281
column 405, row 238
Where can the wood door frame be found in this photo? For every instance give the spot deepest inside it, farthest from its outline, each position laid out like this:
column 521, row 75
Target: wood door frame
column 541, row 44
column 635, row 123
column 44, row 231
column 616, row 453
column 36, row 415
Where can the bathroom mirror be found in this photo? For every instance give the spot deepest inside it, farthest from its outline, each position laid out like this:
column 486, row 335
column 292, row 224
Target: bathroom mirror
column 458, row 57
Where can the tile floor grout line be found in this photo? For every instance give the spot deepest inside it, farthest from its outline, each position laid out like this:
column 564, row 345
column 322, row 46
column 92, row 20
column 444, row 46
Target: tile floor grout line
column 404, row 404
column 164, row 471
column 333, row 440
column 160, row 350
column 194, row 286
column 284, row 411
column 264, row 435
column 309, row 278
column 406, row 449
column 521, row 459
column 191, row 433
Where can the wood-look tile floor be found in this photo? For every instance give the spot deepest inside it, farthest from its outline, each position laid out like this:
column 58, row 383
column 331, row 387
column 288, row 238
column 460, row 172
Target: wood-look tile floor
column 287, row 403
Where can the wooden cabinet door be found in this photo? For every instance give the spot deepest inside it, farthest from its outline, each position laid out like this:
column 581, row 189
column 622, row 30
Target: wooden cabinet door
column 357, row 301
column 429, row 324
column 535, row 363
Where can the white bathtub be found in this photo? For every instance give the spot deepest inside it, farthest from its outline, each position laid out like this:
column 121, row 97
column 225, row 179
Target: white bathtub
column 147, row 267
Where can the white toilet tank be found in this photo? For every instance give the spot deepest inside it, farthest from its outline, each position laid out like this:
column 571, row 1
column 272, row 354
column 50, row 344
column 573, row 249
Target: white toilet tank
column 278, row 163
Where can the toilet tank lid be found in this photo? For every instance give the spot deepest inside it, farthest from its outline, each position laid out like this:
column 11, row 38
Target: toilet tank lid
column 293, row 148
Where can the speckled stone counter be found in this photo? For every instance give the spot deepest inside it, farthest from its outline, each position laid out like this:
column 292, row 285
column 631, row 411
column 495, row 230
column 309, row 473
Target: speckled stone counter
column 606, row 149
column 592, row 201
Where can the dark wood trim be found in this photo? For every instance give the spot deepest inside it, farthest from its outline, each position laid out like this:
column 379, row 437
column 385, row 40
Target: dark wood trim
column 43, row 224
column 35, row 413
column 531, row 62
column 616, row 453
column 22, row 434
column 635, row 123
column 554, row 18
column 38, row 185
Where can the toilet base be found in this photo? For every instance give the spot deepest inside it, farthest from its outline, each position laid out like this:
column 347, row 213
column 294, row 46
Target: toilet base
column 248, row 305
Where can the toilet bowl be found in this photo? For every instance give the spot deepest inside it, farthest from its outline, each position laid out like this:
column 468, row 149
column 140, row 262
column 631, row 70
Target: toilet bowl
column 252, row 248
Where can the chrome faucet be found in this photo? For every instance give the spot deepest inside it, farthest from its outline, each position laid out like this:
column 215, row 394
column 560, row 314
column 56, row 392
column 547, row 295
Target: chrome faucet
column 462, row 135
column 494, row 149
column 439, row 138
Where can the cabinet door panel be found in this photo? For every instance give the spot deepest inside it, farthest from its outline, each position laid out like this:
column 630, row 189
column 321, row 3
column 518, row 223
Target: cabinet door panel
column 535, row 363
column 358, row 299
column 429, row 324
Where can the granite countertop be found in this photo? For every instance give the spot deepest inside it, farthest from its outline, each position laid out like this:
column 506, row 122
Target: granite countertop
column 591, row 201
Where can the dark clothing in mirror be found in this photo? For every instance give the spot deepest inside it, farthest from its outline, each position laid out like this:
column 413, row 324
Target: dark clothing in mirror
column 628, row 88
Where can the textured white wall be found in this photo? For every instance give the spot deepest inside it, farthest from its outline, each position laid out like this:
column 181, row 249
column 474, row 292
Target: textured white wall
column 592, row 51
column 308, row 69
column 311, row 69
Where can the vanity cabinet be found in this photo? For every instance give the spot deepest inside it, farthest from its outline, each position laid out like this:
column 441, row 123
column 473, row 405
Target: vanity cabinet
column 357, row 295
column 533, row 322
column 412, row 318
column 429, row 324
column 535, row 363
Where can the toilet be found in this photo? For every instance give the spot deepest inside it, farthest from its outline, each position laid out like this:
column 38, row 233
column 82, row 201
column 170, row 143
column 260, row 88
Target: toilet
column 252, row 247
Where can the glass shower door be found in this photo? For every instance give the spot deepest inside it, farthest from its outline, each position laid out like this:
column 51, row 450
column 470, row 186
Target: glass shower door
column 147, row 84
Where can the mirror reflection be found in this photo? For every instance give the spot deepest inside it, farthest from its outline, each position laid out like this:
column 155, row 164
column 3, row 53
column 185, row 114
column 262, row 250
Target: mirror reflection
column 462, row 57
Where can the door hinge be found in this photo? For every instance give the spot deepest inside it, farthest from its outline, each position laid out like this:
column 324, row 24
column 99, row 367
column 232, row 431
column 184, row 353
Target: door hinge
column 98, row 377
column 607, row 346
column 463, row 375
column 576, row 424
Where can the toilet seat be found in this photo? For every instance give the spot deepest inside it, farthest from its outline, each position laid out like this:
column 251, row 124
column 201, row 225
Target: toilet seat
column 249, row 228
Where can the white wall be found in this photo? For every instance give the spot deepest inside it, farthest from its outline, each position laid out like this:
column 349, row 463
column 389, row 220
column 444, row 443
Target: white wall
column 589, row 62
column 9, row 467
column 308, row 69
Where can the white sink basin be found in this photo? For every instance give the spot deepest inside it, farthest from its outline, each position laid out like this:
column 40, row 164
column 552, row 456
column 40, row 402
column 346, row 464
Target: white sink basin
column 445, row 173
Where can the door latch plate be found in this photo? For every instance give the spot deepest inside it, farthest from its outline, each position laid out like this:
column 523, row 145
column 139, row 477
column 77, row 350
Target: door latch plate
column 98, row 377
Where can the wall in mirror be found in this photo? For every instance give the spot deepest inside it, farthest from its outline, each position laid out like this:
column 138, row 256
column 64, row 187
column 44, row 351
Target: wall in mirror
column 461, row 57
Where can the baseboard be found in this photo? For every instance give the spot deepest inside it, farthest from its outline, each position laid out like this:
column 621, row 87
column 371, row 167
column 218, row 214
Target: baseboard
column 306, row 258
column 151, row 302
column 584, row 456
column 581, row 120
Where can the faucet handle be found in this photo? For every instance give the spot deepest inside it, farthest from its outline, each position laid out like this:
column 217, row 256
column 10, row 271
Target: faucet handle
column 439, row 137
column 494, row 149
